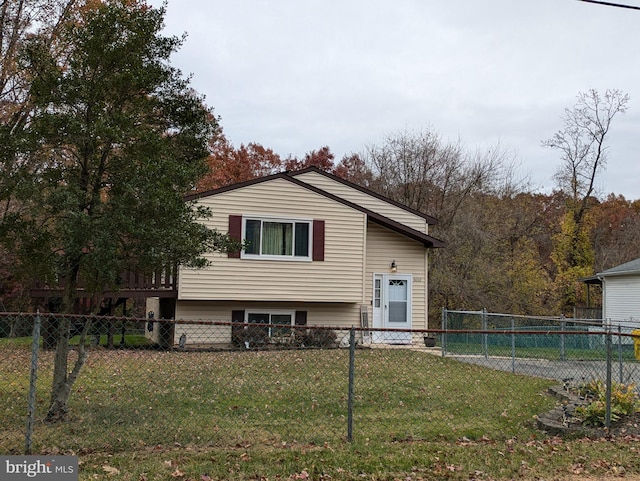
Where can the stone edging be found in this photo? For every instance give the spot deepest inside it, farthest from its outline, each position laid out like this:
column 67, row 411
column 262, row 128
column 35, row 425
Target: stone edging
column 558, row 421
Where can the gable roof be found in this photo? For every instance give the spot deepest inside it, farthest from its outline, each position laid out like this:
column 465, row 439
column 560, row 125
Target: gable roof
column 628, row 268
column 430, row 220
column 425, row 239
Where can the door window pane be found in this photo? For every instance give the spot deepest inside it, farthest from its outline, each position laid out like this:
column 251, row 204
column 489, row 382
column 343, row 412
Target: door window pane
column 397, row 300
column 397, row 311
column 376, row 293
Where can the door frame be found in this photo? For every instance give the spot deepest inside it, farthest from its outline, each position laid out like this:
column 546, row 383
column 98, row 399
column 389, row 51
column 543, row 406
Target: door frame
column 380, row 310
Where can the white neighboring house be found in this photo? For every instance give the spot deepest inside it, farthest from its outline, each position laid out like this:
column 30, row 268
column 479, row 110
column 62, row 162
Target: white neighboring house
column 621, row 292
column 621, row 297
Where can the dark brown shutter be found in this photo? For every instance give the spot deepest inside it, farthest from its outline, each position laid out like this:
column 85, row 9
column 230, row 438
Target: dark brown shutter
column 235, row 232
column 301, row 318
column 318, row 240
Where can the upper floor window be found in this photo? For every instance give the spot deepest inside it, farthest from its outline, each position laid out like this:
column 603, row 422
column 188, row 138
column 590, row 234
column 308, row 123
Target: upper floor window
column 281, row 238
column 278, row 237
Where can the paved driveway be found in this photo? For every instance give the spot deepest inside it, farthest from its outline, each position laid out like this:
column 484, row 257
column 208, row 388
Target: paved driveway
column 625, row 372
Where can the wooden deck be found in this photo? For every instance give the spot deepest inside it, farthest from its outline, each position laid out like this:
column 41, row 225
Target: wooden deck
column 163, row 284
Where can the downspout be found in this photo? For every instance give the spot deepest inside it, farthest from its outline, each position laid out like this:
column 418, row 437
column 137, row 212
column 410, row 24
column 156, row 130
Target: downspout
column 427, row 251
column 604, row 299
column 363, row 288
column 426, row 288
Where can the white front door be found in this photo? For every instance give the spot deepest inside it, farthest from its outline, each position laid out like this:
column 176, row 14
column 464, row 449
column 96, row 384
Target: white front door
column 392, row 307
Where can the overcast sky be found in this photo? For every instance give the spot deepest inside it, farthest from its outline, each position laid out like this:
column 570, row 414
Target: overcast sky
column 296, row 75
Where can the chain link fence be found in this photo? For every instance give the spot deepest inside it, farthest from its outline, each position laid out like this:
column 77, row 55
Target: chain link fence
column 576, row 350
column 149, row 382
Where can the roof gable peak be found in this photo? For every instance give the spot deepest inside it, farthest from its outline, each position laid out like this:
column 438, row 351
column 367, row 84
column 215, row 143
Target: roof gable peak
column 430, row 220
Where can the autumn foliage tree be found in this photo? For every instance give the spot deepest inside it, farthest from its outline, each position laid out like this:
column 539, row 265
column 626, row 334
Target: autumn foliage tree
column 322, row 158
column 228, row 165
column 21, row 20
column 616, row 230
column 354, row 169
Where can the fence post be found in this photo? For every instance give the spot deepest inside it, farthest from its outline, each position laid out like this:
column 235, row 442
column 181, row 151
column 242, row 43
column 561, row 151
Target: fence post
column 563, row 325
column 513, row 345
column 444, row 334
column 35, row 345
column 352, row 355
column 620, row 365
column 485, row 336
column 607, row 416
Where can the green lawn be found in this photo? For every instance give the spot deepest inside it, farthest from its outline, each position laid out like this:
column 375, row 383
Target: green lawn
column 130, row 341
column 141, row 415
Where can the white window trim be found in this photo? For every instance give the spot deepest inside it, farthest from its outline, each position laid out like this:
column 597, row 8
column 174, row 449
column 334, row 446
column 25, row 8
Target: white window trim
column 267, row 218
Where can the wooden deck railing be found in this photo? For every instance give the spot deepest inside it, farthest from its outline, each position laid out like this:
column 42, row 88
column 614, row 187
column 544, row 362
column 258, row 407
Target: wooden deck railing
column 162, row 283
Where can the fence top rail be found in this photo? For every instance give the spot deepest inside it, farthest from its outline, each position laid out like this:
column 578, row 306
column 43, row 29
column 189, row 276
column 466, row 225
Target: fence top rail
column 496, row 314
column 516, row 332
column 626, row 323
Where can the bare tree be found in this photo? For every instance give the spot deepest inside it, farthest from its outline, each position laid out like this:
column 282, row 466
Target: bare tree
column 432, row 175
column 463, row 191
column 582, row 146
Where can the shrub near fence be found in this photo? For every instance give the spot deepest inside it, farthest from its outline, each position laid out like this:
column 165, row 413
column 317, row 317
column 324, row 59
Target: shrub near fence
column 222, row 384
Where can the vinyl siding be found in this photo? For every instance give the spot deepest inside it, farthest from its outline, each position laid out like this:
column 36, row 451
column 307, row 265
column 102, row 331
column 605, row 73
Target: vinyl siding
column 384, row 246
column 622, row 298
column 336, row 279
column 367, row 201
column 318, row 314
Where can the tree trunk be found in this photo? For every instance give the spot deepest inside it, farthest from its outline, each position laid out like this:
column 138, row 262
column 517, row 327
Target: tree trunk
column 13, row 323
column 60, row 389
column 63, row 380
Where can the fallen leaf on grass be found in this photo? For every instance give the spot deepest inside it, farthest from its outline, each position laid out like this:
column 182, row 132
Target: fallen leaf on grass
column 110, row 470
column 302, row 475
column 577, row 468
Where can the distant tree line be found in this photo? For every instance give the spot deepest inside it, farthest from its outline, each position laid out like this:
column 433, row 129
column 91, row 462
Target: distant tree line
column 509, row 248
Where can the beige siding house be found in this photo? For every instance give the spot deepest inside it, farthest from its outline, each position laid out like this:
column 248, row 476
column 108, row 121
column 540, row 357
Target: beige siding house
column 320, row 251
